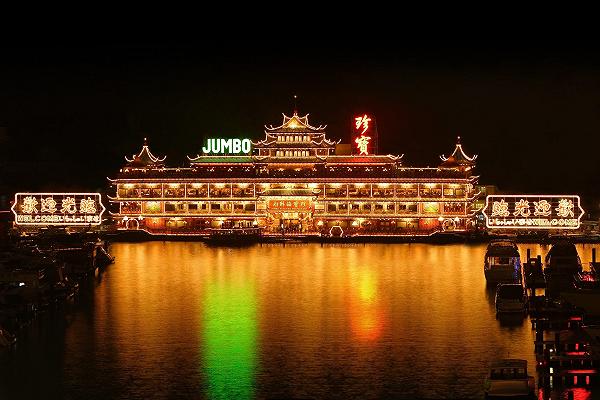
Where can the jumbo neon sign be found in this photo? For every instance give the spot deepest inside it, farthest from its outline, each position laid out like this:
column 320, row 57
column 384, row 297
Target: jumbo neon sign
column 227, row 146
column 58, row 209
column 533, row 211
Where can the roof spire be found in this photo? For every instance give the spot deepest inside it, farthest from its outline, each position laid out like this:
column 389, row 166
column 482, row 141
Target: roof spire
column 459, row 154
column 295, row 104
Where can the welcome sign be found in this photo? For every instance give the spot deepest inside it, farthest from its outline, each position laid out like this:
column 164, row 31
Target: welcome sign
column 533, row 211
column 58, row 209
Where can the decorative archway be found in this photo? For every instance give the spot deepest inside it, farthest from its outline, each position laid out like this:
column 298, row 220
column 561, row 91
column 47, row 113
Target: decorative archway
column 448, row 225
column 132, row 224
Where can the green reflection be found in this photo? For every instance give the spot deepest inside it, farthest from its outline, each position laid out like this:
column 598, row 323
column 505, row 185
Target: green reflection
column 229, row 332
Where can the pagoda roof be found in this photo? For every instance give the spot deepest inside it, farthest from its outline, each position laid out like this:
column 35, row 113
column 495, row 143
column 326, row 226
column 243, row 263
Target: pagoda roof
column 145, row 158
column 295, row 124
column 222, row 159
column 324, row 143
column 458, row 158
column 356, row 159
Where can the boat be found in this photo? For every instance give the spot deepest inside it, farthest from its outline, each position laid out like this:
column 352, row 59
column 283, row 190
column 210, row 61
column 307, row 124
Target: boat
column 235, row 236
column 533, row 274
column 508, row 378
column 502, row 262
column 585, row 293
column 562, row 265
column 510, row 298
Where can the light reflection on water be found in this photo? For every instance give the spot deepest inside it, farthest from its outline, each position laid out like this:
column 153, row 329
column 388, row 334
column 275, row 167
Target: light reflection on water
column 182, row 320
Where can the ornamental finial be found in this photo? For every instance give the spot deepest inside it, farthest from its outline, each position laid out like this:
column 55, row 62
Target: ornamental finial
column 295, row 105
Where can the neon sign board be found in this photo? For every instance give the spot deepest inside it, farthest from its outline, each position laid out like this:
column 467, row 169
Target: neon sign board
column 290, row 205
column 58, row 209
column 533, row 211
column 364, row 135
column 227, row 146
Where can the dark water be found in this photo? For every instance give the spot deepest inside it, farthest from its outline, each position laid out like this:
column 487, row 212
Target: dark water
column 182, row 320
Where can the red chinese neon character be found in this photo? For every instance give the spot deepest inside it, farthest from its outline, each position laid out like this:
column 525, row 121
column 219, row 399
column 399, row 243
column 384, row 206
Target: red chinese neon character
column 364, row 122
column 362, row 142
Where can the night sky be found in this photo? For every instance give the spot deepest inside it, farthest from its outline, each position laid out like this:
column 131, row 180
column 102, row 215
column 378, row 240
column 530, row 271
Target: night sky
column 531, row 110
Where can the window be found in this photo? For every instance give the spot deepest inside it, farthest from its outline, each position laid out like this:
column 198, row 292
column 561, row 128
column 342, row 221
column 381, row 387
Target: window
column 331, row 208
column 407, row 208
column 169, row 207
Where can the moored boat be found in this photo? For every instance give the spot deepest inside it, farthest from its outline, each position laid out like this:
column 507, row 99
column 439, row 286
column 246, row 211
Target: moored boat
column 508, row 379
column 562, row 266
column 502, row 262
column 585, row 293
column 533, row 274
column 510, row 298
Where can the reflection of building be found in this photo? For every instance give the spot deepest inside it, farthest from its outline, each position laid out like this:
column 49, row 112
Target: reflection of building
column 293, row 181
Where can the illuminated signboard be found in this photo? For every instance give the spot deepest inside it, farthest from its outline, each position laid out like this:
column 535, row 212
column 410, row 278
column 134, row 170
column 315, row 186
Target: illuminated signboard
column 364, row 136
column 58, row 209
column 227, row 146
column 533, row 211
column 290, row 205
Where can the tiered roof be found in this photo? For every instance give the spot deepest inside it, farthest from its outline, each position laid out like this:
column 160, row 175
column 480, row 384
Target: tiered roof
column 145, row 158
column 458, row 158
column 296, row 125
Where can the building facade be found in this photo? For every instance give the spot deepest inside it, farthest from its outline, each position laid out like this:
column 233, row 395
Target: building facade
column 294, row 181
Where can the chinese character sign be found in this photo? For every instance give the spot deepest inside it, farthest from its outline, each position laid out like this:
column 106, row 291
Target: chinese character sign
column 364, row 135
column 290, row 205
column 533, row 211
column 58, row 209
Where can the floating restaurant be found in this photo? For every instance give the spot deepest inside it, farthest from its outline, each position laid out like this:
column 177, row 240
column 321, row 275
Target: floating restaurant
column 296, row 180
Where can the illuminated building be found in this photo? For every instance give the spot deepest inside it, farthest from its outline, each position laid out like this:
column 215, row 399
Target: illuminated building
column 293, row 181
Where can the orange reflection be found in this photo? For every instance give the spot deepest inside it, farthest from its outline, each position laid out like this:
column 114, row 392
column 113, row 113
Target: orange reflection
column 367, row 316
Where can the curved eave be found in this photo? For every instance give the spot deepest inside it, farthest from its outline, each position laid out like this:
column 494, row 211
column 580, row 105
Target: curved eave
column 302, row 121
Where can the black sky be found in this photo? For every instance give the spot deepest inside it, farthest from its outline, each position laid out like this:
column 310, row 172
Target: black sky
column 531, row 110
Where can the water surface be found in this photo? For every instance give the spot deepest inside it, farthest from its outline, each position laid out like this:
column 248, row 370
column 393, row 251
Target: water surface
column 183, row 320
